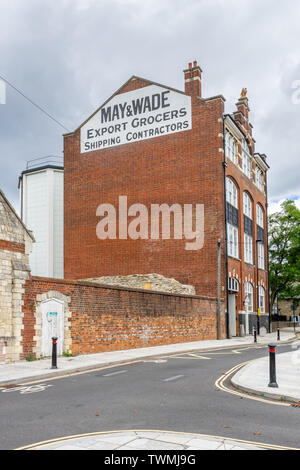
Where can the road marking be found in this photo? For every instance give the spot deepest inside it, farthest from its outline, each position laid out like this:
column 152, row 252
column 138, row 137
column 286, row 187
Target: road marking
column 204, row 436
column 156, row 361
column 173, row 378
column 220, row 385
column 114, row 373
column 197, row 356
column 188, row 356
column 27, row 390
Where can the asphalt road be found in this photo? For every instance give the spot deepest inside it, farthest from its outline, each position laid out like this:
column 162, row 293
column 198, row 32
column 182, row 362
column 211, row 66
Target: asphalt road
column 175, row 393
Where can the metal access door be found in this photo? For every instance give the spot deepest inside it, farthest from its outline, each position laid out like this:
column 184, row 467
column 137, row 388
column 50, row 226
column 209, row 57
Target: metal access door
column 232, row 314
column 52, row 325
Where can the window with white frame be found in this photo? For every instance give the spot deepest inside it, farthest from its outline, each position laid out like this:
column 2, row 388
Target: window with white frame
column 233, row 240
column 247, row 205
column 232, row 228
column 261, row 299
column 231, row 193
column 248, row 248
column 259, row 178
column 230, row 147
column 260, row 256
column 259, row 216
column 248, row 240
column 233, row 284
column 246, row 159
column 248, row 297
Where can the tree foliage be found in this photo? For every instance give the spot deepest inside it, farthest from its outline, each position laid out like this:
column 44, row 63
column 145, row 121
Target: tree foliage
column 284, row 252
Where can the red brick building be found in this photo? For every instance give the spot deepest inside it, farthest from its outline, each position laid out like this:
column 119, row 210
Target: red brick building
column 150, row 145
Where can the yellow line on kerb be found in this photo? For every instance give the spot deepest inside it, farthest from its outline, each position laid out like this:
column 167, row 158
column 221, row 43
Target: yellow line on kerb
column 220, row 385
column 204, row 436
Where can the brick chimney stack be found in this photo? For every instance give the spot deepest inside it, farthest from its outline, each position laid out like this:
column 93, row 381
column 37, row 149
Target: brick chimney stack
column 192, row 80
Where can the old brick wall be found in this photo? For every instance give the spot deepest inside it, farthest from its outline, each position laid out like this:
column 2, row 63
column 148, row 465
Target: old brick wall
column 183, row 168
column 103, row 318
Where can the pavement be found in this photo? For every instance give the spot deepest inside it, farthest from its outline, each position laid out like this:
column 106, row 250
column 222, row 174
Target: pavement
column 253, row 377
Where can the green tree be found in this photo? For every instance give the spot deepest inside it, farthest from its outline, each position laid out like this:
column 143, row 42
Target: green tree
column 284, row 252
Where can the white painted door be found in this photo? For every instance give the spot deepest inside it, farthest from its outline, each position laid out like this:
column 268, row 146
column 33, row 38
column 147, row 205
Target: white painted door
column 52, row 325
column 232, row 314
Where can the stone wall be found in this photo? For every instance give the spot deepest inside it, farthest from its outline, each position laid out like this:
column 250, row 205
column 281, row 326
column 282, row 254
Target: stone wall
column 285, row 307
column 15, row 246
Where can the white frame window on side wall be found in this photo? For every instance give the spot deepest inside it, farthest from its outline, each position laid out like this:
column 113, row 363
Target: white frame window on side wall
column 248, row 248
column 246, row 159
column 247, row 205
column 260, row 255
column 230, row 147
column 249, row 296
column 259, row 178
column 259, row 216
column 231, row 192
column 261, row 299
column 232, row 241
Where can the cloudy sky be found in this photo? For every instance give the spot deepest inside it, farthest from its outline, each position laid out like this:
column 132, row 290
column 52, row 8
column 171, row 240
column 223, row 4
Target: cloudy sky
column 69, row 56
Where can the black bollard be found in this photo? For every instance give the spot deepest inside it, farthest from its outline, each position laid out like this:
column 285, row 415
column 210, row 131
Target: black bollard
column 272, row 350
column 54, row 353
column 278, row 334
column 255, row 335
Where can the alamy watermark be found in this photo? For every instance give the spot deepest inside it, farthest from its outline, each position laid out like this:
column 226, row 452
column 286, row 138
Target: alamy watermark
column 296, row 93
column 162, row 221
column 2, row 92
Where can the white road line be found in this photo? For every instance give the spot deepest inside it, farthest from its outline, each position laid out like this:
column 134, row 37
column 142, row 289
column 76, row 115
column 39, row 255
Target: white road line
column 173, row 378
column 114, row 373
column 26, row 390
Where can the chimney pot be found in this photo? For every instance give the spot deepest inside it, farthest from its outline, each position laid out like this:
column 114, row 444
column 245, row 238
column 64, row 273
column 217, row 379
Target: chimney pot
column 190, row 65
column 195, row 63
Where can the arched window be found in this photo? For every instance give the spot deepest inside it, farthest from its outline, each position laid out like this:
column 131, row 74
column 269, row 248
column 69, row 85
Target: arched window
column 259, row 216
column 233, row 284
column 248, row 228
column 230, row 146
column 231, row 193
column 232, row 218
column 247, row 205
column 261, row 299
column 248, row 297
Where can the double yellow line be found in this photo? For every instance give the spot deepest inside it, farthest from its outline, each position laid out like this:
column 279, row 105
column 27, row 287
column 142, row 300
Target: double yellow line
column 220, row 384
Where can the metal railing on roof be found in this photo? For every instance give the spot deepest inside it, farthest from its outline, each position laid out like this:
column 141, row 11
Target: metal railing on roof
column 54, row 160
